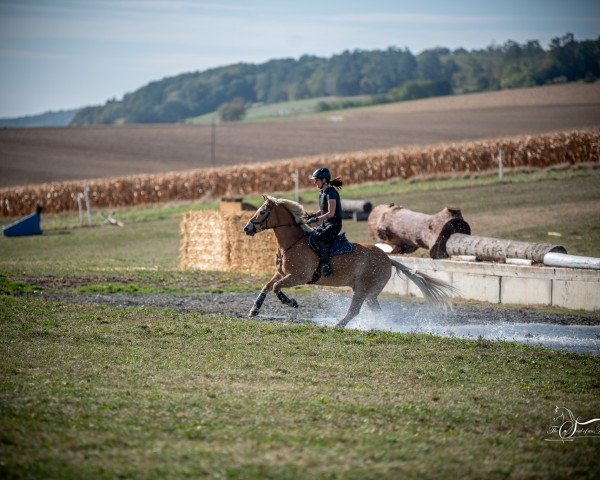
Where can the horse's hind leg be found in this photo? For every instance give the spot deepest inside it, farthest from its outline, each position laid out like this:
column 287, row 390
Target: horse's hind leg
column 288, row 281
column 287, row 300
column 357, row 301
column 373, row 304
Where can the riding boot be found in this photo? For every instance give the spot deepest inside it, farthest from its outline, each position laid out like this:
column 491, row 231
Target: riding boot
column 326, row 269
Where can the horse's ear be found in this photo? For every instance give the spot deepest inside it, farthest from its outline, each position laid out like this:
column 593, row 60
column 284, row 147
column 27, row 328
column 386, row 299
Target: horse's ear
column 265, row 197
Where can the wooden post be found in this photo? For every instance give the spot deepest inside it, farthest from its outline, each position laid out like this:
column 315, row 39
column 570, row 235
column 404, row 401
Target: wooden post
column 501, row 165
column 297, row 185
column 213, row 142
column 407, row 230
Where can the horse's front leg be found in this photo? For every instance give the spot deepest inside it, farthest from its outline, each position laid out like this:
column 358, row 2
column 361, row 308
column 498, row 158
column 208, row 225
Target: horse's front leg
column 290, row 280
column 263, row 294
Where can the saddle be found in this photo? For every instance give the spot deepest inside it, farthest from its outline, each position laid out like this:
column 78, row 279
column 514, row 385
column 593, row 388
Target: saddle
column 340, row 246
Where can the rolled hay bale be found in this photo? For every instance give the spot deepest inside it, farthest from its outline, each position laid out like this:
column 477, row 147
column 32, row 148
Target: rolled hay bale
column 216, row 241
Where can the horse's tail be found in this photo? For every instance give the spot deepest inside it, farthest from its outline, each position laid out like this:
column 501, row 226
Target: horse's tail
column 433, row 289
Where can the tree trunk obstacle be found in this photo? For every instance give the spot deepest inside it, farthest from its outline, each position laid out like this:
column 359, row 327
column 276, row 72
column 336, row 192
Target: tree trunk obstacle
column 485, row 248
column 446, row 234
column 357, row 209
column 407, row 230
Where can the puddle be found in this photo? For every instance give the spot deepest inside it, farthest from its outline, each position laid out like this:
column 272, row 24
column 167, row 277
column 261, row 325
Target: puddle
column 425, row 319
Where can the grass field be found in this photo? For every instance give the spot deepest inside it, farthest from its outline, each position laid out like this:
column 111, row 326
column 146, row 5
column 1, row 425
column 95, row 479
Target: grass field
column 525, row 207
column 273, row 111
column 105, row 392
column 31, row 156
column 91, row 391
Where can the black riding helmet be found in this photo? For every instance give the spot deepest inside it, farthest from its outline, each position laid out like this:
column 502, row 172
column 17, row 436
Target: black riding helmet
column 321, row 174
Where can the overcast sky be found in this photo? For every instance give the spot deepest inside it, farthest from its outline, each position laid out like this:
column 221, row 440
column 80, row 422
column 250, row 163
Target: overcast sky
column 62, row 54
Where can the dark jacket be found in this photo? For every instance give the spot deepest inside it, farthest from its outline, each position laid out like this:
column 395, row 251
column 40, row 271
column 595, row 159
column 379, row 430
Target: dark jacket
column 330, row 193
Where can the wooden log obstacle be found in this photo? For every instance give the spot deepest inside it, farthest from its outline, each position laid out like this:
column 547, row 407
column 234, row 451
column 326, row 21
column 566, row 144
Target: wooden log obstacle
column 358, row 210
column 406, row 230
column 446, row 234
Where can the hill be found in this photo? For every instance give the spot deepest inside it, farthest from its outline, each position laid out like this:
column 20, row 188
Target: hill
column 385, row 75
column 62, row 118
column 30, row 156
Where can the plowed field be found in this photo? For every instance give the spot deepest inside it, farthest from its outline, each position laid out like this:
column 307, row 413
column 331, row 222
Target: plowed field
column 30, row 156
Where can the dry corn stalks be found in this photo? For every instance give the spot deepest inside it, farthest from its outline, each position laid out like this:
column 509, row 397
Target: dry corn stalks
column 375, row 165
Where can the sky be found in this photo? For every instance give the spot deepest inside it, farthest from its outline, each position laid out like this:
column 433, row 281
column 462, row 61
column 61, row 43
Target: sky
column 63, row 54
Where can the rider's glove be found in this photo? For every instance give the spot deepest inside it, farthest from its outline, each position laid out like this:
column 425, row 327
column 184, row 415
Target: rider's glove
column 312, row 219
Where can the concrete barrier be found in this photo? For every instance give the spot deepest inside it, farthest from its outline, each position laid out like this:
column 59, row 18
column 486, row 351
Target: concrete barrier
column 501, row 283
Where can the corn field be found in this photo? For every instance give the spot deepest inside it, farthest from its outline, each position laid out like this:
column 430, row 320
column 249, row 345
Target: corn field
column 538, row 151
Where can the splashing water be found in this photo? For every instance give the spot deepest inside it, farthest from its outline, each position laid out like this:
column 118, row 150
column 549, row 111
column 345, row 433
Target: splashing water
column 421, row 318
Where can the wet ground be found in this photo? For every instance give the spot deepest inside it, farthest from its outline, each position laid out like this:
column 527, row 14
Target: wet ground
column 578, row 332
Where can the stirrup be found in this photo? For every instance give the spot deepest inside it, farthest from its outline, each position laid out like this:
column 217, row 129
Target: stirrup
column 326, row 270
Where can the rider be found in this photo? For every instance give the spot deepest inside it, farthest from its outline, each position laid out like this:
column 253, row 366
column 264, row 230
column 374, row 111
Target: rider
column 330, row 214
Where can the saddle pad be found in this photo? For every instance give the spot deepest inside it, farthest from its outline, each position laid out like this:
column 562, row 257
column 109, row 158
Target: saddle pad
column 341, row 248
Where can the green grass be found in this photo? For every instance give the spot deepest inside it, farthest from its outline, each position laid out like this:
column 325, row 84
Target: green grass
column 275, row 111
column 101, row 391
column 89, row 392
column 525, row 207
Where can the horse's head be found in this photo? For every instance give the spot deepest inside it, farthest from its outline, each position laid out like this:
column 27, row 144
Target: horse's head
column 275, row 213
column 259, row 220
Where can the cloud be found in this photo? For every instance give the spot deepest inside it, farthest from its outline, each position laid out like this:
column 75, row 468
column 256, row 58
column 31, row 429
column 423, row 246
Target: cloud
column 379, row 18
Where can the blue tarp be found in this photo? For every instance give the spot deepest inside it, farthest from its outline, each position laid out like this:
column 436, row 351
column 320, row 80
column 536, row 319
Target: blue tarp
column 26, row 226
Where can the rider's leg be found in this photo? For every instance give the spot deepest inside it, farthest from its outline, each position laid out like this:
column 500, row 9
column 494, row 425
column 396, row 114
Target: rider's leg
column 327, row 237
column 317, row 242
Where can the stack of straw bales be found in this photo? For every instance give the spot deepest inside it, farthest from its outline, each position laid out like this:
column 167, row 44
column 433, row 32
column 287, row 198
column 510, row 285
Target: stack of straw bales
column 216, row 241
column 357, row 167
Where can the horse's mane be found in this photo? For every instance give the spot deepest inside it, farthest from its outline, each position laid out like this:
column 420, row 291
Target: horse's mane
column 297, row 211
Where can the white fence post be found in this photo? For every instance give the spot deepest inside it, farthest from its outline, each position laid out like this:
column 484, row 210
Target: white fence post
column 88, row 204
column 80, row 207
column 500, row 165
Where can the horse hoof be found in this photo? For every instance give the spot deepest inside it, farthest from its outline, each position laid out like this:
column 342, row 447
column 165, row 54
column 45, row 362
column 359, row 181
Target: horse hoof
column 293, row 303
column 341, row 324
column 253, row 313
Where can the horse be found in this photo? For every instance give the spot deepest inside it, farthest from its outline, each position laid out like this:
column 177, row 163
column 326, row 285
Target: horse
column 367, row 269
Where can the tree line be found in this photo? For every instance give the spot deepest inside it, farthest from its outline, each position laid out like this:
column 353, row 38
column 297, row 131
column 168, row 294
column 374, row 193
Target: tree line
column 385, row 75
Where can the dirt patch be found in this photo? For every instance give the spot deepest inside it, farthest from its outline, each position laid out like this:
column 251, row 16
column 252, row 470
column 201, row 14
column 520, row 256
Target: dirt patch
column 37, row 155
column 71, row 282
column 323, row 302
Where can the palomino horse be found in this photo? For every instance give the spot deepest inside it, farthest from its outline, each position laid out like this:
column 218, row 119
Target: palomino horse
column 367, row 269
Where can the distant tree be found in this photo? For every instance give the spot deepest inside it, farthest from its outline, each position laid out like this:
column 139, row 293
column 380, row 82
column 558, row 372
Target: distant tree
column 429, row 66
column 232, row 111
column 416, row 89
column 351, row 73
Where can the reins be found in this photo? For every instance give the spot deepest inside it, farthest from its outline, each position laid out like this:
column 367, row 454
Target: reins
column 273, row 227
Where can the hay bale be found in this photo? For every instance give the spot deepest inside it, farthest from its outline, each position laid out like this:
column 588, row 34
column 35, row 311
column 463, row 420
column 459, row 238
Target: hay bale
column 216, row 241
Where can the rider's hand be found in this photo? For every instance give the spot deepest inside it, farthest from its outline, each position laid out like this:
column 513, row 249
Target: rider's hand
column 312, row 219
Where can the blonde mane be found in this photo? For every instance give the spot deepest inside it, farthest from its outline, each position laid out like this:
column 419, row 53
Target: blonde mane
column 297, row 211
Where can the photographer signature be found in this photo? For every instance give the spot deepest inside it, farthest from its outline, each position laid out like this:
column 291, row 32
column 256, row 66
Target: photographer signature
column 570, row 427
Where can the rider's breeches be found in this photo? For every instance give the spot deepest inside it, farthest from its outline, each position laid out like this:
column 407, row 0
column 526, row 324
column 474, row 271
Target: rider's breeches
column 321, row 238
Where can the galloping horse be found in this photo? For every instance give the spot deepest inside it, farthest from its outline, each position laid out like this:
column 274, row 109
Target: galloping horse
column 367, row 269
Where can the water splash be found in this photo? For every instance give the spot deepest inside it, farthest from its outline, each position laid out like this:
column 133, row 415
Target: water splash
column 421, row 318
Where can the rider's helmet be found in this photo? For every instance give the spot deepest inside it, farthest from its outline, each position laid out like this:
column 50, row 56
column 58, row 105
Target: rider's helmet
column 322, row 174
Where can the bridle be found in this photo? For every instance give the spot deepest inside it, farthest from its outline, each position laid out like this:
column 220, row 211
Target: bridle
column 272, row 227
column 266, row 222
